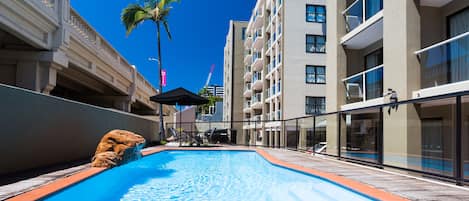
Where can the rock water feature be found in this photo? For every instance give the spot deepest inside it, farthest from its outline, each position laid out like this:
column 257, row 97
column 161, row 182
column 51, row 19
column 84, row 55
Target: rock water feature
column 118, row 147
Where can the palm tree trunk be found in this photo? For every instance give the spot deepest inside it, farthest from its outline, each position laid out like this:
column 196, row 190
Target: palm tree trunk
column 162, row 136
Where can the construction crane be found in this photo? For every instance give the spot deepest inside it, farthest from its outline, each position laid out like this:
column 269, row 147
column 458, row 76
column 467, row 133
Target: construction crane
column 209, row 75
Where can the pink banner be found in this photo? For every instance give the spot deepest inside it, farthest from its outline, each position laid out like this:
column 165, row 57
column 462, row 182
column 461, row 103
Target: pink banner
column 163, row 78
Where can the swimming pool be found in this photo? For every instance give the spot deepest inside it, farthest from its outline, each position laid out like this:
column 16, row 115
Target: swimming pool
column 205, row 175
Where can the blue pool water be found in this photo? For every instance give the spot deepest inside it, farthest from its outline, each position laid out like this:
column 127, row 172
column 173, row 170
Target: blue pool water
column 205, row 175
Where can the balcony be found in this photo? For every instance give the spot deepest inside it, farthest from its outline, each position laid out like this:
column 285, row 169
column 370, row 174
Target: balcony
column 267, row 94
column 257, row 118
column 278, row 115
column 444, row 67
column 364, row 23
column 257, row 81
column 247, row 107
column 247, row 74
column 257, row 61
column 248, row 56
column 364, row 86
column 258, row 18
column 248, row 42
column 247, row 90
column 258, row 39
column 257, row 101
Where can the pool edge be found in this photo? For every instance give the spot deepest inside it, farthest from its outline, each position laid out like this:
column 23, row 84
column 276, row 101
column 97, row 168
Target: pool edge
column 62, row 183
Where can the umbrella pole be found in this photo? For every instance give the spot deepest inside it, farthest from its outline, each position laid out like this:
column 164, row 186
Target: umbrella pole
column 180, row 125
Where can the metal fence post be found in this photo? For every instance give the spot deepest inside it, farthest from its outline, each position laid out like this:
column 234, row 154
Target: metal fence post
column 459, row 171
column 338, row 134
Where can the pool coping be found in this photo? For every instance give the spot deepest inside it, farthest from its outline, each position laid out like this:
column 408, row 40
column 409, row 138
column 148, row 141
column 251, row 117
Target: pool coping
column 62, row 183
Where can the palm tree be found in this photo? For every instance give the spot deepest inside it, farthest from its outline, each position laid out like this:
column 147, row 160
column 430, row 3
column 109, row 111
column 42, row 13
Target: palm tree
column 156, row 11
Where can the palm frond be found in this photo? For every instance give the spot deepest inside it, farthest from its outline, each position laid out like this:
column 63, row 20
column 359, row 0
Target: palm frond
column 132, row 15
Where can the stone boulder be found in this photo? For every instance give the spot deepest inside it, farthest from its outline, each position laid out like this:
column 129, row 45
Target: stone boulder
column 118, row 147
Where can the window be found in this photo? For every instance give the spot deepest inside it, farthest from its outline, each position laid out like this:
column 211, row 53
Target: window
column 315, row 105
column 243, row 33
column 315, row 74
column 374, row 59
column 315, row 14
column 315, row 44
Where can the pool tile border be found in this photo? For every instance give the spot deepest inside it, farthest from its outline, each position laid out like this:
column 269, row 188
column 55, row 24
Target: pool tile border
column 62, row 183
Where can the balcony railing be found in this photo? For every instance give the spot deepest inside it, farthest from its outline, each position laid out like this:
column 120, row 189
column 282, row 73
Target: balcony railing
column 256, row 55
column 445, row 62
column 257, row 34
column 256, row 76
column 247, row 87
column 257, row 98
column 278, row 115
column 278, row 87
column 257, row 118
column 360, row 11
column 247, row 104
column 247, row 69
column 364, row 86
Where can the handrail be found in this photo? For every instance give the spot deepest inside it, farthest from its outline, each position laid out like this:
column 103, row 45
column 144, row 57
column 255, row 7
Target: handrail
column 363, row 72
column 442, row 43
column 349, row 7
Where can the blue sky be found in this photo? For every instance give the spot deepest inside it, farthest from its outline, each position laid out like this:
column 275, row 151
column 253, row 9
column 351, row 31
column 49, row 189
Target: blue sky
column 199, row 30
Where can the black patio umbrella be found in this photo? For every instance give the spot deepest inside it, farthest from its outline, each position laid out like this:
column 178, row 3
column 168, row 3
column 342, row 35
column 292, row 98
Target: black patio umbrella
column 179, row 96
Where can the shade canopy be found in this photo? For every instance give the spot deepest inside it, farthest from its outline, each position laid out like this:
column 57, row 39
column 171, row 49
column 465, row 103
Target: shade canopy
column 179, row 96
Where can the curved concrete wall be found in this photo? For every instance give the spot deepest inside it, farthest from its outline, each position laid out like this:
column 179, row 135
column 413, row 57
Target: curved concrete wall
column 38, row 130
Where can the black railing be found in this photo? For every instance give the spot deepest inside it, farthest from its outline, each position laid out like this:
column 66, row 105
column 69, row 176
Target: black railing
column 426, row 136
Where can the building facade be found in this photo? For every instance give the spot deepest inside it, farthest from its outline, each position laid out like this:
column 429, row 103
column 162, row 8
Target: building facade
column 417, row 54
column 285, row 66
column 216, row 90
column 233, row 77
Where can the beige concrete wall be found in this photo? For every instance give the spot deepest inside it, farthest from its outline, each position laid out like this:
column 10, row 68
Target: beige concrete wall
column 335, row 71
column 40, row 130
column 401, row 39
column 295, row 58
column 233, row 76
column 336, row 58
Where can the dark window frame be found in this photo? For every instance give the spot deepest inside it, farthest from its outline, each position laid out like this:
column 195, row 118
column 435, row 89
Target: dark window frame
column 315, row 20
column 314, row 43
column 318, row 105
column 315, row 74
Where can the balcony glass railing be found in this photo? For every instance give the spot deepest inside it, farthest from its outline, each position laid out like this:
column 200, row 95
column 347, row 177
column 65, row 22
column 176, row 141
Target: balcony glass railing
column 445, row 62
column 257, row 34
column 247, row 104
column 247, row 69
column 256, row 76
column 257, row 98
column 247, row 87
column 278, row 87
column 360, row 11
column 364, row 86
column 257, row 118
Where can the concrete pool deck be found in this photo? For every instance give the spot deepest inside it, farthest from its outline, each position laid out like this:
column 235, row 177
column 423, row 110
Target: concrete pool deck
column 371, row 181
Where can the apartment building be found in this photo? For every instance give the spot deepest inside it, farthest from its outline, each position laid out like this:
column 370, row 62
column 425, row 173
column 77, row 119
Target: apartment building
column 233, row 78
column 380, row 51
column 285, row 65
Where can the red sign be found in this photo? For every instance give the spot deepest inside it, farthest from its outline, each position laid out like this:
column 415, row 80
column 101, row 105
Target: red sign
column 163, row 78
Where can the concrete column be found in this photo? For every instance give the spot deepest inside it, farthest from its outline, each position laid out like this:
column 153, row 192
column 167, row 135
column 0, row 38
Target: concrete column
column 336, row 70
column 276, row 138
column 36, row 76
column 401, row 129
column 123, row 103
